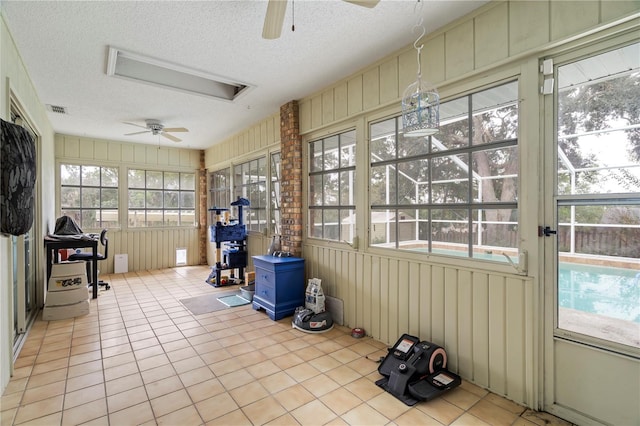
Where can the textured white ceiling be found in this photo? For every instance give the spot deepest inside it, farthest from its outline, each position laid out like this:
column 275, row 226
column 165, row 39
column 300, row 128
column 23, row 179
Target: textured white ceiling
column 64, row 46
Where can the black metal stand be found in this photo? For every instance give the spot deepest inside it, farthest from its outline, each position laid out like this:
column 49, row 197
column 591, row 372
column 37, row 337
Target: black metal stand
column 234, row 255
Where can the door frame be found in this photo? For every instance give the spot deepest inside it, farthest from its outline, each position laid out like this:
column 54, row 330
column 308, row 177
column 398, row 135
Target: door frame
column 25, row 320
column 589, row 46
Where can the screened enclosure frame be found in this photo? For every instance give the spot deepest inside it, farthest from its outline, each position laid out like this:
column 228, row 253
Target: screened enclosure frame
column 424, row 211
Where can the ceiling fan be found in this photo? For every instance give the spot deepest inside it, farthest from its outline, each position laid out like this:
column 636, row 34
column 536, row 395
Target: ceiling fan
column 156, row 128
column 276, row 9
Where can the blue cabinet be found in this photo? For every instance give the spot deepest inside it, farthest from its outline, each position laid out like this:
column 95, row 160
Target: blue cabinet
column 279, row 285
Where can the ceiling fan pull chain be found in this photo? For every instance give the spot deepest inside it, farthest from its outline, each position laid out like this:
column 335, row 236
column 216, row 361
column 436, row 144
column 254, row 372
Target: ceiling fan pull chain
column 293, row 15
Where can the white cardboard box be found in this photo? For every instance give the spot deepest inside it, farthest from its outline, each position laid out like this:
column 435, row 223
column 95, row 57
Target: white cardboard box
column 54, row 313
column 67, row 297
column 121, row 264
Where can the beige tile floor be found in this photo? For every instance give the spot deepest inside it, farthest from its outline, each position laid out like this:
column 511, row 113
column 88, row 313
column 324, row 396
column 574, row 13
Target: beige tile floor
column 140, row 357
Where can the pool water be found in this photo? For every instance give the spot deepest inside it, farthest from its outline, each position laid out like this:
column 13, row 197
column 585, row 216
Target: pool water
column 604, row 290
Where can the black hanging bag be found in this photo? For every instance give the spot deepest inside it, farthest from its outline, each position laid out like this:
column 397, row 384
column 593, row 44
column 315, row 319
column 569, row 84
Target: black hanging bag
column 17, row 179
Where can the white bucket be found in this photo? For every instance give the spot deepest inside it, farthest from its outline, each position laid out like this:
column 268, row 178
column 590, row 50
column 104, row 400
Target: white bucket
column 247, row 291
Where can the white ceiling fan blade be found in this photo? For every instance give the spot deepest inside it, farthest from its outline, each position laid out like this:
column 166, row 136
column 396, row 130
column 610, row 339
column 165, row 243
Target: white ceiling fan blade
column 274, row 19
column 366, row 3
column 170, row 137
column 175, row 129
column 137, row 133
column 134, row 124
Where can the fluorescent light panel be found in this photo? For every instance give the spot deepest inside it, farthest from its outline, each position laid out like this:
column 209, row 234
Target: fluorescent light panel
column 152, row 71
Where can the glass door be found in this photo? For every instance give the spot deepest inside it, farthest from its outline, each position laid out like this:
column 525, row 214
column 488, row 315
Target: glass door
column 24, row 261
column 592, row 247
column 16, row 289
column 29, row 273
column 24, row 288
column 598, row 198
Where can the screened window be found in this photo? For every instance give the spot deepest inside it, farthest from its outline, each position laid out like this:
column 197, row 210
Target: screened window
column 453, row 193
column 89, row 194
column 332, row 168
column 250, row 182
column 220, row 188
column 275, row 193
column 158, row 198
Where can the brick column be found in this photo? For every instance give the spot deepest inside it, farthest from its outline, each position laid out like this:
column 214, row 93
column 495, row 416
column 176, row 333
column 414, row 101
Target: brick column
column 202, row 217
column 291, row 179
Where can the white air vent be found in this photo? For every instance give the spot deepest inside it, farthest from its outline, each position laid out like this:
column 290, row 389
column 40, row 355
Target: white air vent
column 143, row 69
column 57, row 109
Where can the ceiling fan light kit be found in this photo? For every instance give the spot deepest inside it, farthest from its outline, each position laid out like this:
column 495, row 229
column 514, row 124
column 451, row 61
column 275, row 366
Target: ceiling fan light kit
column 420, row 101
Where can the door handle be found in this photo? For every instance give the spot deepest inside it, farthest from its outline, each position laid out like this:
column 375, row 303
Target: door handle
column 546, row 231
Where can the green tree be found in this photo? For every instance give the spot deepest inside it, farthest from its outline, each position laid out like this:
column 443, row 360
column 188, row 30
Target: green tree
column 595, row 106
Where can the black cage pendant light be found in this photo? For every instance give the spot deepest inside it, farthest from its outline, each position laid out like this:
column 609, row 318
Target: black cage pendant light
column 420, row 102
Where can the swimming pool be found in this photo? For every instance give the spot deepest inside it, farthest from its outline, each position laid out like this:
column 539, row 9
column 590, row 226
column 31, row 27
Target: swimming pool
column 604, row 290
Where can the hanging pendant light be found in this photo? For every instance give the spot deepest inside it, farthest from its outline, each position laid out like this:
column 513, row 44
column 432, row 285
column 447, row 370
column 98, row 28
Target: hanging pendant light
column 420, row 102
